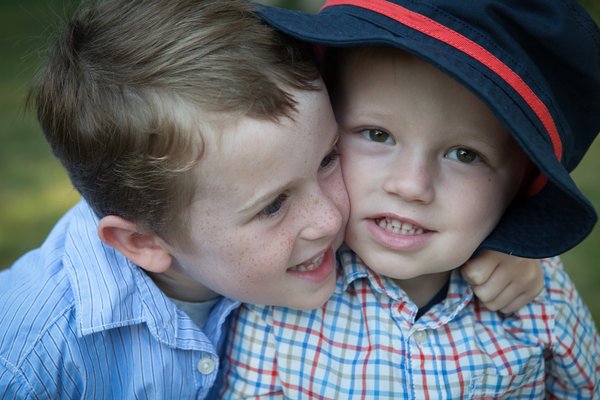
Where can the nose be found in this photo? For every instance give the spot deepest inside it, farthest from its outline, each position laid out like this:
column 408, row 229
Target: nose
column 323, row 219
column 411, row 177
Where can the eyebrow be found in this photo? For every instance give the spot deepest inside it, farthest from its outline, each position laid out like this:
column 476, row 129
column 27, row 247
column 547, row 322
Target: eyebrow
column 266, row 198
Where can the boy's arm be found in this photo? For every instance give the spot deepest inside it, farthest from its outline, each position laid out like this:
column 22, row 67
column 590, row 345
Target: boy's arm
column 502, row 282
column 250, row 366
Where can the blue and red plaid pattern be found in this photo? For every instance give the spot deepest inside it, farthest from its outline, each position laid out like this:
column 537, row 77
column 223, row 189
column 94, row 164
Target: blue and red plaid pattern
column 364, row 343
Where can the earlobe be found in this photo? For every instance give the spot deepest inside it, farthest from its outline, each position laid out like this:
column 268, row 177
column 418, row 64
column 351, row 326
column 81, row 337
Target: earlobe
column 144, row 249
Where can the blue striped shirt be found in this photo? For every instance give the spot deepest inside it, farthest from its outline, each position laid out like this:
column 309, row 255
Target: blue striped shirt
column 78, row 320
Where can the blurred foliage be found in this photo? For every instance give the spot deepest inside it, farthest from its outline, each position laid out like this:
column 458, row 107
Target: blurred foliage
column 34, row 190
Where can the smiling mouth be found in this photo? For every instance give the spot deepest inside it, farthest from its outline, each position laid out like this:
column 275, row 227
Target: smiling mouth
column 399, row 227
column 309, row 265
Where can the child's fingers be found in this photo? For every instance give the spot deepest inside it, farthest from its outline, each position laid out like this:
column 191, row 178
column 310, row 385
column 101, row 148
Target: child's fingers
column 516, row 304
column 500, row 299
column 503, row 283
column 493, row 293
column 497, row 294
column 478, row 270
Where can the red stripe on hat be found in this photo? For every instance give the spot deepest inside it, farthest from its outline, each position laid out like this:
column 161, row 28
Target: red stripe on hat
column 460, row 42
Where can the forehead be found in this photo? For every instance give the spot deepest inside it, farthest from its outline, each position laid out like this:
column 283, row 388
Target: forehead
column 245, row 135
column 396, row 70
column 243, row 154
column 390, row 82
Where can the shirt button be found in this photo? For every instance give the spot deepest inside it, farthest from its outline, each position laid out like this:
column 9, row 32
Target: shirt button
column 420, row 336
column 206, row 366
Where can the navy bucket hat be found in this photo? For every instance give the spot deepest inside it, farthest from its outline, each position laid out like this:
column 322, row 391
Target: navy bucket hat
column 535, row 63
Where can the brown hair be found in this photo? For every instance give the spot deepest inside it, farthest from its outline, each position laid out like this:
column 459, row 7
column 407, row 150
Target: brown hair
column 118, row 94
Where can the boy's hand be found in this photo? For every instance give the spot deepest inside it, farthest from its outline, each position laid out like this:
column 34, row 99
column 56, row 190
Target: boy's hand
column 502, row 282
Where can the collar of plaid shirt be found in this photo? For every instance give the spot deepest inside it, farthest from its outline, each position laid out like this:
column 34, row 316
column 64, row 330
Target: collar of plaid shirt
column 452, row 298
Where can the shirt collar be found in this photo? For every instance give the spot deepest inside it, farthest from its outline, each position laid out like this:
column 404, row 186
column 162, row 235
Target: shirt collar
column 110, row 291
column 351, row 268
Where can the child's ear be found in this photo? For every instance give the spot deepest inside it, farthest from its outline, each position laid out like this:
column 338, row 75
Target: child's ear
column 144, row 249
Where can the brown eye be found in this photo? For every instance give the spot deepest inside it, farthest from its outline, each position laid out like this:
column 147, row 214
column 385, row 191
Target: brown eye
column 377, row 135
column 463, row 155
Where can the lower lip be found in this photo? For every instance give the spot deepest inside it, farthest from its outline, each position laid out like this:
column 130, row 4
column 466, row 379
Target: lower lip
column 322, row 272
column 397, row 241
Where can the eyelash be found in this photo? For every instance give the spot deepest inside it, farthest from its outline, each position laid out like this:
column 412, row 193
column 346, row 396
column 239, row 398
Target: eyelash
column 372, row 133
column 329, row 159
column 274, row 207
column 476, row 156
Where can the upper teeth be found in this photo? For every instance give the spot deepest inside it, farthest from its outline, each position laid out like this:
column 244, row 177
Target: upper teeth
column 309, row 265
column 404, row 228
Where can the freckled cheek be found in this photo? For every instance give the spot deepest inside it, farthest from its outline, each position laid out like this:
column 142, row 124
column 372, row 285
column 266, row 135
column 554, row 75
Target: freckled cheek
column 265, row 260
column 339, row 195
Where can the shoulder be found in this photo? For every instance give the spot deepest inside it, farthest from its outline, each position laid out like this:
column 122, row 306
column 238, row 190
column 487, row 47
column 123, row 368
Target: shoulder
column 34, row 295
column 572, row 364
column 555, row 277
column 571, row 315
column 37, row 308
column 558, row 316
column 38, row 339
column 37, row 289
column 560, row 293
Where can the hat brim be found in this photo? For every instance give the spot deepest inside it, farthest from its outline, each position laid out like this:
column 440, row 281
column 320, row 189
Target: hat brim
column 548, row 223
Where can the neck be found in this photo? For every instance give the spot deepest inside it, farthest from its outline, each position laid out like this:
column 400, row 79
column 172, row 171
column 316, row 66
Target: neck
column 423, row 288
column 180, row 287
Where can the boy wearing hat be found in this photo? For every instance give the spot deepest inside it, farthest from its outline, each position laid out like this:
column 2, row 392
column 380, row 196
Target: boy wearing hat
column 459, row 126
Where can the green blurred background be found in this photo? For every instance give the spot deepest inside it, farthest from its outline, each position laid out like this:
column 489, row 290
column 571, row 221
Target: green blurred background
column 34, row 190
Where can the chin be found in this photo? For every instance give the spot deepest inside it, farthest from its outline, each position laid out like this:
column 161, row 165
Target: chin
column 316, row 300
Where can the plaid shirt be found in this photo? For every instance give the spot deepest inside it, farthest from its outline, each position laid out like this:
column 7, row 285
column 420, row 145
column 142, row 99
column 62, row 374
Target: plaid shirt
column 365, row 343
